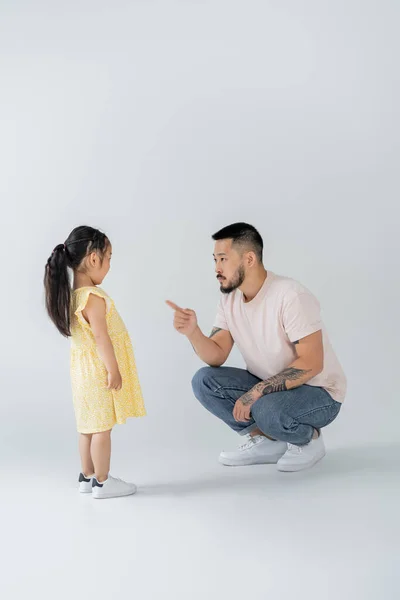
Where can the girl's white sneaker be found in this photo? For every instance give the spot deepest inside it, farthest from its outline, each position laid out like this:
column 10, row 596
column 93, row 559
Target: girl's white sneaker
column 112, row 488
column 85, row 484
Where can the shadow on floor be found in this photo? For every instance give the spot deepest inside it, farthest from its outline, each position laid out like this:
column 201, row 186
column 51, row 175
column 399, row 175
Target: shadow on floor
column 348, row 465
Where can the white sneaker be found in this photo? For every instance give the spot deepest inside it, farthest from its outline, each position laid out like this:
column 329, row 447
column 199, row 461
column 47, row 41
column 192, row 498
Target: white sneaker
column 257, row 450
column 112, row 488
column 85, row 484
column 297, row 458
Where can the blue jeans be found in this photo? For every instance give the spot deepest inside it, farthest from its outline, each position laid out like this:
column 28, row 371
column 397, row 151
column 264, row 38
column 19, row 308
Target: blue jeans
column 288, row 416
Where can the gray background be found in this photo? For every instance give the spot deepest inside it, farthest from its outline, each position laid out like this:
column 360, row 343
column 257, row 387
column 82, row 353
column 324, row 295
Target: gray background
column 161, row 122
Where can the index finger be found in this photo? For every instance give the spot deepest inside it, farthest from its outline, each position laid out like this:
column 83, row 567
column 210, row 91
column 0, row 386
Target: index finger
column 174, row 306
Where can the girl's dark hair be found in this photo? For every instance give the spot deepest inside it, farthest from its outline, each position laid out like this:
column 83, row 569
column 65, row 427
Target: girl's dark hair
column 81, row 241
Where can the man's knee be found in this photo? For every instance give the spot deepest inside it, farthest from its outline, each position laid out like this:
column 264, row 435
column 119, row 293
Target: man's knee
column 204, row 385
column 200, row 381
column 270, row 417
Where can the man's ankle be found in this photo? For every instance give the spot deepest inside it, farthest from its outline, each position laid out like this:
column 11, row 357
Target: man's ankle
column 256, row 432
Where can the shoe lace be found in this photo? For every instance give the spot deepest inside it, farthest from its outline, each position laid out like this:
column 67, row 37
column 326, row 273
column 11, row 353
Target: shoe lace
column 293, row 449
column 249, row 443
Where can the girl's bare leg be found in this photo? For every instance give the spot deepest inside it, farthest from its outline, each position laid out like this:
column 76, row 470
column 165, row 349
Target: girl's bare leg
column 85, row 440
column 101, row 454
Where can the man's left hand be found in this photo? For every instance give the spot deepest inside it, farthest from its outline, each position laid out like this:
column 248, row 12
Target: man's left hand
column 242, row 408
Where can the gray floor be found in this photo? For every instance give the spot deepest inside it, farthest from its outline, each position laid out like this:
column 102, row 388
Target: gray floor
column 197, row 530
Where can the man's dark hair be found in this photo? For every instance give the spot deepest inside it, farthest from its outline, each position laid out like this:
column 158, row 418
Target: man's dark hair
column 242, row 234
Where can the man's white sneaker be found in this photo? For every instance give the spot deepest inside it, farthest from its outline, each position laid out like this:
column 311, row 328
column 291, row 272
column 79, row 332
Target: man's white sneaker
column 257, row 450
column 112, row 488
column 297, row 458
column 85, row 484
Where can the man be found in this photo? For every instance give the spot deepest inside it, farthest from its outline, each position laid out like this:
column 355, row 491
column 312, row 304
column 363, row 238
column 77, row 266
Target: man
column 293, row 385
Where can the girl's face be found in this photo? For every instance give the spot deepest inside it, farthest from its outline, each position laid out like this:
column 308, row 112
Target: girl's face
column 98, row 268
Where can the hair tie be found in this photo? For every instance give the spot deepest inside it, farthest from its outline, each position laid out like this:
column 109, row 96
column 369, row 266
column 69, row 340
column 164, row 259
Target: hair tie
column 59, row 247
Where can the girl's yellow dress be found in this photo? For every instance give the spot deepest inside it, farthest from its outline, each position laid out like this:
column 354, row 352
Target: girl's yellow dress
column 97, row 408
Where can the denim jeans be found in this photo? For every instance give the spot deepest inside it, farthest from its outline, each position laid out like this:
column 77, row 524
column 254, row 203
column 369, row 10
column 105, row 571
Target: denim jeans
column 289, row 416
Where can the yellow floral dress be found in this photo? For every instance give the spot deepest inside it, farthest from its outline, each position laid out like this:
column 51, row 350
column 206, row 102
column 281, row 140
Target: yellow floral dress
column 97, row 408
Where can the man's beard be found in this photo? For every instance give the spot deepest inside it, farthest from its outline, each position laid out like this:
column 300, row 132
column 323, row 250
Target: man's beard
column 235, row 282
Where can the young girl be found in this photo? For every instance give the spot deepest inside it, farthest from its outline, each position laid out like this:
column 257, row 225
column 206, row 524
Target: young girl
column 105, row 384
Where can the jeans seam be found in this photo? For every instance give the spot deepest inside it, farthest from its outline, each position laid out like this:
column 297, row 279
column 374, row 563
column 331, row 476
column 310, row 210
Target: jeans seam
column 226, row 387
column 310, row 412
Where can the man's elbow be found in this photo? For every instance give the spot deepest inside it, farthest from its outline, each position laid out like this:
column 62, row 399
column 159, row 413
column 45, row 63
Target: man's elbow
column 216, row 363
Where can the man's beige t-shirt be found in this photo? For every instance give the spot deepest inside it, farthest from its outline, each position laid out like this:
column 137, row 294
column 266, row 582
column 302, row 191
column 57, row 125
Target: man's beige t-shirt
column 266, row 328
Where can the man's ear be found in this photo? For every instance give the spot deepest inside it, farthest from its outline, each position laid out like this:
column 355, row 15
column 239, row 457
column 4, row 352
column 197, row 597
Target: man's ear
column 250, row 259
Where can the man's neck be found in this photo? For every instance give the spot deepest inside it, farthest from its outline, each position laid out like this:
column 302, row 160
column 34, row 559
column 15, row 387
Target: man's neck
column 253, row 284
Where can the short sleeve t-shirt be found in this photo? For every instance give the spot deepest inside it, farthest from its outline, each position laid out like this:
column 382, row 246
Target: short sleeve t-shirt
column 266, row 328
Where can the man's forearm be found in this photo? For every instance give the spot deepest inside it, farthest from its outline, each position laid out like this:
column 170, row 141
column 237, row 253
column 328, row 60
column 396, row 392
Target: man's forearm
column 206, row 348
column 297, row 374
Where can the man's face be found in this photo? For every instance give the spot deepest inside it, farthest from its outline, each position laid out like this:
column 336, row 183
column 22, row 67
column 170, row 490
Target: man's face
column 229, row 266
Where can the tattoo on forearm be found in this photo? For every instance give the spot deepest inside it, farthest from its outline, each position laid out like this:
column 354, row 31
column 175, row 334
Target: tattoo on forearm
column 214, row 331
column 247, row 398
column 277, row 383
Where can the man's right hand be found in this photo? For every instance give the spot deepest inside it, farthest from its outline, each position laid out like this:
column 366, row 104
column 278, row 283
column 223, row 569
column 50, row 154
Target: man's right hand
column 185, row 319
